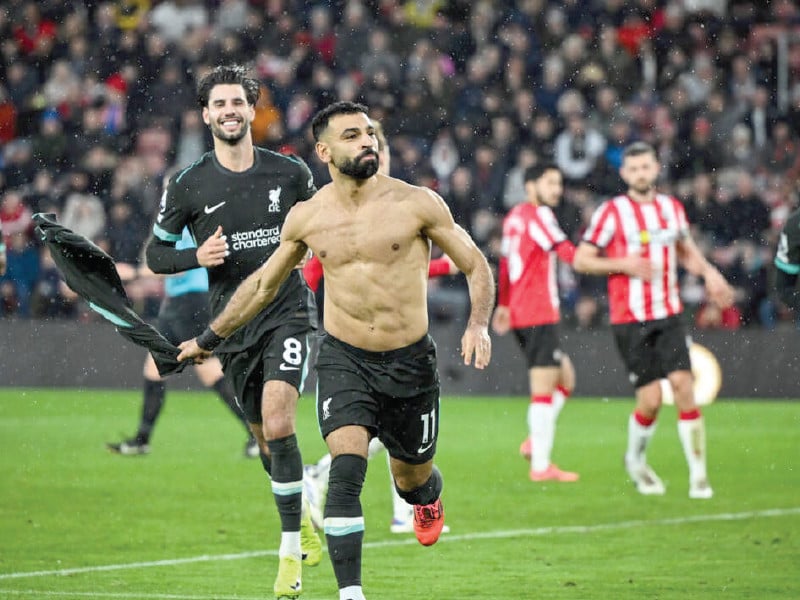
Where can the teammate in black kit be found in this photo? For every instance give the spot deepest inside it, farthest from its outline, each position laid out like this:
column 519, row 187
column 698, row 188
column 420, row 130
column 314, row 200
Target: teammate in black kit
column 787, row 261
column 234, row 201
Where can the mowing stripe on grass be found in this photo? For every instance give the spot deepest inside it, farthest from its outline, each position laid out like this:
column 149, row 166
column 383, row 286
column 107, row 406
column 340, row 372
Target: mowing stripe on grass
column 512, row 533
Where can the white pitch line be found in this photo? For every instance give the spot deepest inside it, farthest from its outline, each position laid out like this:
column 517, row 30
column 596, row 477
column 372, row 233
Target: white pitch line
column 512, row 533
column 126, row 596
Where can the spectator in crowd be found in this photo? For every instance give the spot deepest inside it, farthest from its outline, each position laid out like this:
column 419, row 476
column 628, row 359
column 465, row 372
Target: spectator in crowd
column 676, row 76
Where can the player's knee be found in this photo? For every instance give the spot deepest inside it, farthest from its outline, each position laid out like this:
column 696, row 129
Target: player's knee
column 346, row 479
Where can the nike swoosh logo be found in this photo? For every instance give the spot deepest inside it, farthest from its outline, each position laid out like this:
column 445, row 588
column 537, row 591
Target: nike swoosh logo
column 284, row 367
column 422, row 450
column 210, row 209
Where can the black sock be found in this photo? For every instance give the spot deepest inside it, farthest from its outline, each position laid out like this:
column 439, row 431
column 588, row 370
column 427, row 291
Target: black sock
column 345, row 538
column 154, row 392
column 266, row 462
column 225, row 391
column 287, row 480
column 427, row 493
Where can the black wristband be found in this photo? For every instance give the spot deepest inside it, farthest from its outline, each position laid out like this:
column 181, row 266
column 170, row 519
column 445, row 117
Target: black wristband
column 208, row 340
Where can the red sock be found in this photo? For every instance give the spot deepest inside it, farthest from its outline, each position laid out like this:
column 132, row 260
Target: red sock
column 563, row 390
column 689, row 415
column 643, row 420
column 543, row 399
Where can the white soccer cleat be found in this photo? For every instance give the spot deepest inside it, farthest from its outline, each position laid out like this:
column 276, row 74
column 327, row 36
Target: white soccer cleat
column 645, row 479
column 700, row 490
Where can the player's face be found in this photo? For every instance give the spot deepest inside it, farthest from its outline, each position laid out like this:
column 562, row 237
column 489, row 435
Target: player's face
column 549, row 187
column 351, row 146
column 228, row 114
column 640, row 172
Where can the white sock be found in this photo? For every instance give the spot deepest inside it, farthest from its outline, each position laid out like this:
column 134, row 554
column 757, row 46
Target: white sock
column 351, row 592
column 290, row 544
column 638, row 438
column 692, row 433
column 542, row 431
column 558, row 403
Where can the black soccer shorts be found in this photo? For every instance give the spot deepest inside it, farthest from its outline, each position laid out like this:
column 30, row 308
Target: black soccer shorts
column 540, row 345
column 653, row 349
column 394, row 394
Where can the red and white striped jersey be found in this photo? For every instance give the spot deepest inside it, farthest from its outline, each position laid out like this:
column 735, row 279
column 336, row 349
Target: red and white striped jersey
column 621, row 226
column 531, row 235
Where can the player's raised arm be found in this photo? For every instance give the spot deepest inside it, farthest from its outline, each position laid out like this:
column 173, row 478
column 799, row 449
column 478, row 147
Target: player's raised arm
column 459, row 246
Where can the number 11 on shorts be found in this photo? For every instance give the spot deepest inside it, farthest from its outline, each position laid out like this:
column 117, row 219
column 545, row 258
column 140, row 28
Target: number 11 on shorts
column 428, row 431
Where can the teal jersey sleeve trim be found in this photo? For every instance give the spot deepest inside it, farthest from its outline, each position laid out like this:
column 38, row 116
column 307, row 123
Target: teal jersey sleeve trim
column 787, row 268
column 110, row 316
column 165, row 235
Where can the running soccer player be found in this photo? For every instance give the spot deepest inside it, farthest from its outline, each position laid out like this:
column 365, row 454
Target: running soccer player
column 316, row 475
column 787, row 262
column 643, row 235
column 234, row 200
column 528, row 305
column 376, row 368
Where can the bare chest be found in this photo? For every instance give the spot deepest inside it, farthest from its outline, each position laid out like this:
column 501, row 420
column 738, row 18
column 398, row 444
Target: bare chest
column 373, row 235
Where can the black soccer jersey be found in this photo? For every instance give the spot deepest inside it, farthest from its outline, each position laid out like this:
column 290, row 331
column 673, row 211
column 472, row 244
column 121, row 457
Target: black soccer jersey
column 787, row 257
column 251, row 208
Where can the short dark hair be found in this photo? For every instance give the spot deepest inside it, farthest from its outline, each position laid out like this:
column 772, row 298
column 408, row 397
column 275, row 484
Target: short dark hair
column 228, row 74
column 534, row 172
column 637, row 149
column 320, row 121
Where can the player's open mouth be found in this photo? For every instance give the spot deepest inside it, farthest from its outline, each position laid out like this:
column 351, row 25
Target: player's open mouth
column 230, row 124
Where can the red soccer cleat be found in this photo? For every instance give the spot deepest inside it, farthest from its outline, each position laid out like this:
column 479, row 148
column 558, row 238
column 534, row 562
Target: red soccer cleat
column 525, row 448
column 428, row 522
column 553, row 473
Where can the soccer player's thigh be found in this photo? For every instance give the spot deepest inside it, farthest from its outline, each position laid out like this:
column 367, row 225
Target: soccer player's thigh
column 543, row 355
column 409, row 427
column 636, row 345
column 343, row 396
column 672, row 346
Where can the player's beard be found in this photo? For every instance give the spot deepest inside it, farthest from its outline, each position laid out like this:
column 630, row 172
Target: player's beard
column 357, row 168
column 230, row 138
column 643, row 187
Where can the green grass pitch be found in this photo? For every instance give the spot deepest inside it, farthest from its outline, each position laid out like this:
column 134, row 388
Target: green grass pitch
column 195, row 520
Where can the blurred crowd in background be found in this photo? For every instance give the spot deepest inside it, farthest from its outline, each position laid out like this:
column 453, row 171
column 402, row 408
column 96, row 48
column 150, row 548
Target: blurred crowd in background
column 97, row 103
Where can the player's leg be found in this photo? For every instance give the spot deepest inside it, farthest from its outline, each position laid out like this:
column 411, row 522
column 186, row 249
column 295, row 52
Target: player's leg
column 565, row 385
column 635, row 342
column 674, row 349
column 692, row 434
column 153, row 395
column 347, row 416
column 209, row 372
column 344, row 516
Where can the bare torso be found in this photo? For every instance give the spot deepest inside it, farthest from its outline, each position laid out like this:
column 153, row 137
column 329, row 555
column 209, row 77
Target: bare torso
column 375, row 258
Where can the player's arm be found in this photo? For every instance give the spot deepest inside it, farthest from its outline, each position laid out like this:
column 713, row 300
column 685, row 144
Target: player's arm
column 588, row 260
column 692, row 259
column 253, row 294
column 440, row 228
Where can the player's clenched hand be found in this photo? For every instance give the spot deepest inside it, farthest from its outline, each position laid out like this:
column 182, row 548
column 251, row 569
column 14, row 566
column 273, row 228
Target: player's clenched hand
column 213, row 251
column 191, row 351
column 501, row 320
column 638, row 266
column 719, row 291
column 476, row 341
